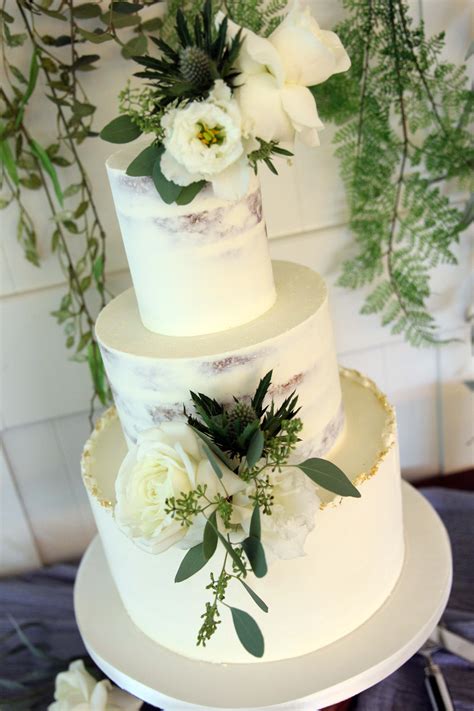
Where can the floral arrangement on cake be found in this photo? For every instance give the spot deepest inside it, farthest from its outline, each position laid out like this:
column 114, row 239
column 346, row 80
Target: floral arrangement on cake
column 224, row 100
column 223, row 482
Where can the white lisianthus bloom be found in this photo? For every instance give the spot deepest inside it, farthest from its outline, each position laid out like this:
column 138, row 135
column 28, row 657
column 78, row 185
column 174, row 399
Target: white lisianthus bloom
column 203, row 141
column 166, row 461
column 77, row 690
column 294, row 510
column 275, row 74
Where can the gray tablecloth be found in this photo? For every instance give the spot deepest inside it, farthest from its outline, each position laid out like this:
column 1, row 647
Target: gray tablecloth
column 46, row 596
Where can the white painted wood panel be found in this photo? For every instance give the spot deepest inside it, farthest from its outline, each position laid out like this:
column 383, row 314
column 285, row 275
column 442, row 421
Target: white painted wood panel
column 37, row 458
column 18, row 549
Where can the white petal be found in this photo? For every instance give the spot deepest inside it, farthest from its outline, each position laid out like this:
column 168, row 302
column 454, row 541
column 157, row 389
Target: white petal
column 182, row 432
column 176, row 172
column 262, row 111
column 300, row 106
column 233, row 182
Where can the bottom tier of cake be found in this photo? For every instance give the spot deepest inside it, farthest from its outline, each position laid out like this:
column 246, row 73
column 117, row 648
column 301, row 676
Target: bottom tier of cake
column 353, row 557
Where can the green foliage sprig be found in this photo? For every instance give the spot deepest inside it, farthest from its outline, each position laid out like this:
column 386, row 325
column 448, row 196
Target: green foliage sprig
column 402, row 223
column 254, row 440
column 77, row 234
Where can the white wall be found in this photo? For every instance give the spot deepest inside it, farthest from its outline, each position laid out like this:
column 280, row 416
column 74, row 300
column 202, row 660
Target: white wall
column 45, row 397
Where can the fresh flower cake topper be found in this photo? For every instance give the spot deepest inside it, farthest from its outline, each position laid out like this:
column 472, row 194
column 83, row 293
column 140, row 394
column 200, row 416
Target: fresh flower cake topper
column 222, row 482
column 224, row 100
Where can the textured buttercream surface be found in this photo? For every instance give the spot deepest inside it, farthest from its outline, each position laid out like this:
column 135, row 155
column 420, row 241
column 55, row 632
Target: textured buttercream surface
column 353, row 556
column 152, row 375
column 196, row 268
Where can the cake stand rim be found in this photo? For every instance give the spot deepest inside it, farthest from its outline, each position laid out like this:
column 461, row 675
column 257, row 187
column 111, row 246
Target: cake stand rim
column 424, row 531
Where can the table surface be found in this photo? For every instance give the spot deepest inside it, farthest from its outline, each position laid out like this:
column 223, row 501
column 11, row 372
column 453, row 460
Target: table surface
column 46, row 596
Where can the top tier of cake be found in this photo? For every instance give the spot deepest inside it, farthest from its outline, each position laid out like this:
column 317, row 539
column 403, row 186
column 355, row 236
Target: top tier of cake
column 197, row 268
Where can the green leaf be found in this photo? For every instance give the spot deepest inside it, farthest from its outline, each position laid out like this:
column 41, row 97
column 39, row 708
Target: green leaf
column 248, row 632
column 95, row 37
column 98, row 268
column 85, row 61
column 262, row 605
column 167, row 190
column 45, row 161
column 82, row 109
column 144, row 162
column 135, row 47
column 97, row 371
column 6, row 157
column 210, row 539
column 32, row 182
column 155, row 23
column 328, row 476
column 120, row 130
column 256, row 555
column 255, row 449
column 81, row 209
column 83, row 341
column 86, row 11
column 32, row 79
column 213, row 461
column 260, row 393
column 192, row 562
column 72, row 190
column 125, row 8
column 255, row 525
column 189, row 192
column 217, row 450
column 237, row 560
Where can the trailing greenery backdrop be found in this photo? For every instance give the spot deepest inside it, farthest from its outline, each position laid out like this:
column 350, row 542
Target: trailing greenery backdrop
column 404, row 130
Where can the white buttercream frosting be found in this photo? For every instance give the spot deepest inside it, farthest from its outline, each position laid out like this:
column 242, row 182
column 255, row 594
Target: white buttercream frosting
column 152, row 375
column 353, row 556
column 197, row 268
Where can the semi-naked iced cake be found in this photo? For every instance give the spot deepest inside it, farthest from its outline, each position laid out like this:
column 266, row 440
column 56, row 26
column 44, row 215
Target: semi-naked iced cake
column 210, row 313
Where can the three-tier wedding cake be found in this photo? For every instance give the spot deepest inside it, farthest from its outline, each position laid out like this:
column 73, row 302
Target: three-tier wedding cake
column 213, row 332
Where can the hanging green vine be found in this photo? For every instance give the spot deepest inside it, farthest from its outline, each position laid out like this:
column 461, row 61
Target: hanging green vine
column 404, row 116
column 62, row 59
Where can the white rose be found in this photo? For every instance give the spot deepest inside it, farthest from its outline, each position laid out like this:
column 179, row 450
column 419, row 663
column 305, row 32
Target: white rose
column 275, row 73
column 203, row 141
column 294, row 511
column 166, row 461
column 77, row 690
column 309, row 54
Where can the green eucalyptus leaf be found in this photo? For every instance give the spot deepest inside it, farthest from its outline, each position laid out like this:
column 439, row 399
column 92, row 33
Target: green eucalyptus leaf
column 248, row 632
column 258, row 600
column 255, row 524
column 256, row 555
column 97, row 371
column 84, row 61
column 210, row 538
column 125, row 8
column 135, row 47
column 189, row 192
column 6, row 157
column 45, row 161
column 328, row 476
column 82, row 109
column 237, row 560
column 167, row 190
column 143, row 164
column 86, row 11
column 155, row 23
column 120, row 130
column 95, row 37
column 192, row 562
column 255, row 449
column 213, row 461
column 217, row 450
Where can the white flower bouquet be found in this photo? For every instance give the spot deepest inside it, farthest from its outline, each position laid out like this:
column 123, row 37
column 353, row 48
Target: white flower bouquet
column 226, row 99
column 224, row 479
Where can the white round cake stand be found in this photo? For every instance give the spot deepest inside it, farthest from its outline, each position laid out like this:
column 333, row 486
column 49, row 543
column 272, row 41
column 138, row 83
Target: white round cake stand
column 328, row 675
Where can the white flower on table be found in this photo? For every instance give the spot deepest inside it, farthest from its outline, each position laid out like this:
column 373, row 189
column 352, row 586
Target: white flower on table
column 166, row 461
column 203, row 141
column 77, row 690
column 276, row 72
column 294, row 510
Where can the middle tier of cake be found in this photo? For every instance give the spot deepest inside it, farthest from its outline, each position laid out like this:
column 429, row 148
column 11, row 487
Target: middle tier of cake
column 151, row 375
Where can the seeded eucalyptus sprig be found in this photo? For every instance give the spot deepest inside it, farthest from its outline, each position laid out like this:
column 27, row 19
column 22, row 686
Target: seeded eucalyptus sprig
column 254, row 440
